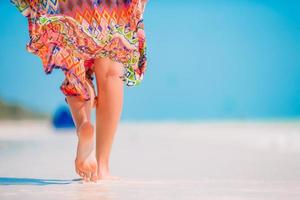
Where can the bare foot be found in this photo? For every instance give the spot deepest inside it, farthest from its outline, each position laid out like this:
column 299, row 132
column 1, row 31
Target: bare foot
column 85, row 162
column 105, row 175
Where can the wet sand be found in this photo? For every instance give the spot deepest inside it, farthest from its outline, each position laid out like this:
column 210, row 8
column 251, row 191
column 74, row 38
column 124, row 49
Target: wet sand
column 166, row 160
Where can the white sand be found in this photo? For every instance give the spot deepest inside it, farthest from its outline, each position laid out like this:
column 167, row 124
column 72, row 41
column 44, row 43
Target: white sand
column 171, row 160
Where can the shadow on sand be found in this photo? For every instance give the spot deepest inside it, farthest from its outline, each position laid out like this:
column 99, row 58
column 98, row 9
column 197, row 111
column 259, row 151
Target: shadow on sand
column 35, row 181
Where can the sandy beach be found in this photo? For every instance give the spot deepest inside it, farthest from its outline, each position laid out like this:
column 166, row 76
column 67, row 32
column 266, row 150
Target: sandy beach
column 236, row 160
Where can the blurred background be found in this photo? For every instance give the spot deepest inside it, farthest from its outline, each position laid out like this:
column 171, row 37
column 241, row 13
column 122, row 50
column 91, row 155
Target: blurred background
column 232, row 61
column 207, row 60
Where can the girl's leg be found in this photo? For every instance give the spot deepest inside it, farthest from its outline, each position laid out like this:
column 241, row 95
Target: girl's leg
column 108, row 110
column 85, row 162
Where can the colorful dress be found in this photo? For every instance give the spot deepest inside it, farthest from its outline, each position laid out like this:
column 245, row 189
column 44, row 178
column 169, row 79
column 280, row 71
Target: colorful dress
column 70, row 34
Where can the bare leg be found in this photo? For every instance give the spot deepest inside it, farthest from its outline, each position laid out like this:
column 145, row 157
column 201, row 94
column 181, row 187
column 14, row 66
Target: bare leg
column 85, row 162
column 108, row 111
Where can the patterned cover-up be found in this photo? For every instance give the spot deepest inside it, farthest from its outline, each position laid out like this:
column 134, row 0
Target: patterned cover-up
column 70, row 34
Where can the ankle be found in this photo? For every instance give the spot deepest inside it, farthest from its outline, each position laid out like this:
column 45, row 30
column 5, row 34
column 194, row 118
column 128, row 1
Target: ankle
column 103, row 170
column 103, row 166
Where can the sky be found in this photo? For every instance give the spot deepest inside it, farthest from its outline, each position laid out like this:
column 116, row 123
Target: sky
column 207, row 59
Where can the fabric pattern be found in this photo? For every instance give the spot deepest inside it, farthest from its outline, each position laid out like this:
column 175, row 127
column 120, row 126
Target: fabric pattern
column 70, row 34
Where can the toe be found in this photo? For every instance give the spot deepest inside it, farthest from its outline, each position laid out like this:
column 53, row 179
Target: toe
column 88, row 176
column 81, row 174
column 94, row 172
column 94, row 177
column 85, row 177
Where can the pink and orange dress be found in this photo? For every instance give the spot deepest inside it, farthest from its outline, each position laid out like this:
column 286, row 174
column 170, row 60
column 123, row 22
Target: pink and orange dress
column 70, row 34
